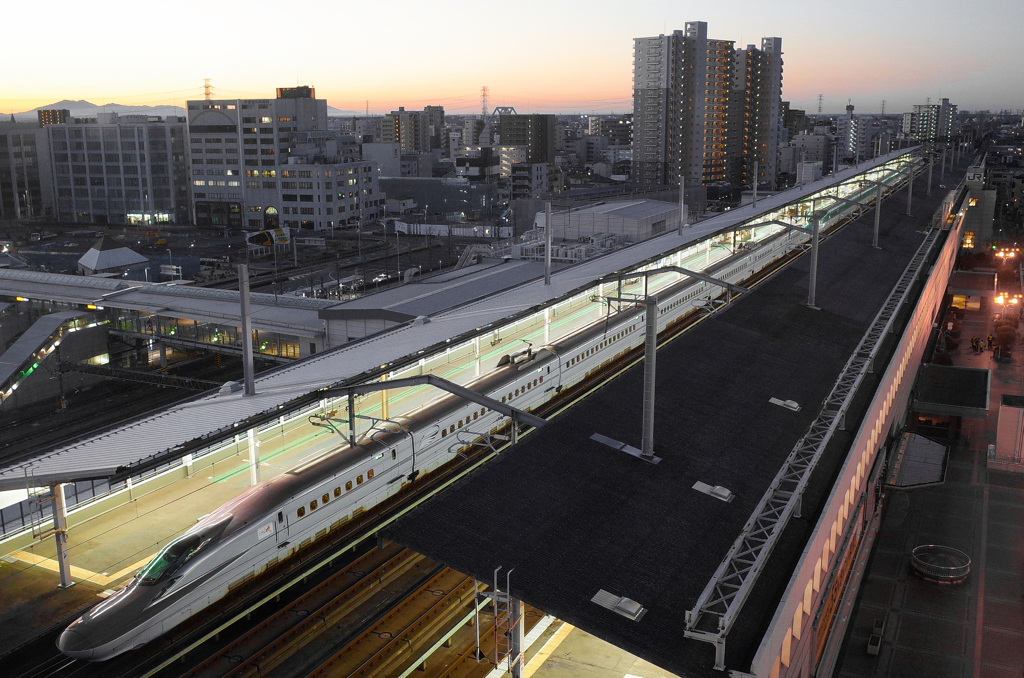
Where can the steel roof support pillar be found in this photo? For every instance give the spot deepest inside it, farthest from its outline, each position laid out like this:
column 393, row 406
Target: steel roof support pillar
column 351, row 419
column 931, row 163
column 547, row 243
column 682, row 204
column 254, row 457
column 812, row 288
column 754, row 204
column 650, row 358
column 249, row 379
column 517, row 640
column 163, row 356
column 910, row 188
column 878, row 214
column 60, row 533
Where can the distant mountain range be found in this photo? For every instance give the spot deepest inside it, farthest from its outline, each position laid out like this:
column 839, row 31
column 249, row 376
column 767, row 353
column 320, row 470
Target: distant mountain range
column 87, row 109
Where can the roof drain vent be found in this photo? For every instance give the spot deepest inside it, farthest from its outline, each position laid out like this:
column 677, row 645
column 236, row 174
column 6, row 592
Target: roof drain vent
column 620, row 605
column 718, row 492
column 788, row 404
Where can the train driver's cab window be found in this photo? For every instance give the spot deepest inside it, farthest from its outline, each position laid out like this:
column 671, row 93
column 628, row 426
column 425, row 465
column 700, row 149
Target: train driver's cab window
column 393, row 453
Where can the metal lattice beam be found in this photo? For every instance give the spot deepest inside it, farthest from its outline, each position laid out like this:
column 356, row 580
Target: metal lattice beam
column 719, row 604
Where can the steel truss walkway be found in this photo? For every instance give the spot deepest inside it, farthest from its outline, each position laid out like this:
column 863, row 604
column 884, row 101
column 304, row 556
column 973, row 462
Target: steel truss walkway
column 720, row 603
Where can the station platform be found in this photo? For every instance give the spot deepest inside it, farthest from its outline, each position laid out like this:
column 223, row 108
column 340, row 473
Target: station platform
column 971, row 629
column 108, row 549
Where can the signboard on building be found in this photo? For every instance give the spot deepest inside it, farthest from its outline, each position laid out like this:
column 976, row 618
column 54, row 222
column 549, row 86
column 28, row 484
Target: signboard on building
column 268, row 238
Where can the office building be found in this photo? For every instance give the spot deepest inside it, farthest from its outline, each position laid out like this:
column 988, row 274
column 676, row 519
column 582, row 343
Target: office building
column 265, row 163
column 120, row 169
column 26, row 185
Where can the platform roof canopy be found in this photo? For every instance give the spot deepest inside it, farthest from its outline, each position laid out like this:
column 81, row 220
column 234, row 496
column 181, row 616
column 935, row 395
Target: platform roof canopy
column 208, row 418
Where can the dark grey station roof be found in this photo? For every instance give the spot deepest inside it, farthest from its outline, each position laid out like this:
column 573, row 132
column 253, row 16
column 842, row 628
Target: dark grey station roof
column 573, row 516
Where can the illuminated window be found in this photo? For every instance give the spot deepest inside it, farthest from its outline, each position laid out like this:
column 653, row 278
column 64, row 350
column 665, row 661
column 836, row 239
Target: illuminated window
column 312, row 505
column 326, row 498
column 359, row 480
column 972, row 202
column 266, row 119
column 301, row 512
column 348, row 486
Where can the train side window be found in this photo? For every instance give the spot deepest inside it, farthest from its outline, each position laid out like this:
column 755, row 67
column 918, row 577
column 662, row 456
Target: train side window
column 280, row 516
column 541, row 379
column 475, row 415
column 460, row 423
column 348, row 486
column 444, row 432
column 337, row 492
column 517, row 391
column 326, row 498
column 359, row 480
column 369, row 474
column 451, row 429
column 393, row 453
column 502, row 398
column 302, row 511
column 312, row 505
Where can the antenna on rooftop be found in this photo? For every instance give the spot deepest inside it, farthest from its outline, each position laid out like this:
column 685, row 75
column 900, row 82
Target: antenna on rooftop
column 207, row 92
column 821, row 98
column 484, row 92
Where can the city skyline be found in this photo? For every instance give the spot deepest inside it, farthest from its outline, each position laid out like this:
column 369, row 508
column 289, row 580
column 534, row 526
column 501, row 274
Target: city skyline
column 570, row 62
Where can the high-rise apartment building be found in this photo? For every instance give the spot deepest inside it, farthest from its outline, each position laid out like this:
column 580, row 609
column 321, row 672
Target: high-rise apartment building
column 686, row 90
column 53, row 116
column 755, row 121
column 931, row 122
column 264, row 163
column 411, row 129
column 120, row 169
column 618, row 129
column 26, row 188
column 534, row 132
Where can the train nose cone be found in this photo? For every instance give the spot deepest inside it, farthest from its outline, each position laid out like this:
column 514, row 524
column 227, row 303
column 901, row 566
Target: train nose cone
column 75, row 645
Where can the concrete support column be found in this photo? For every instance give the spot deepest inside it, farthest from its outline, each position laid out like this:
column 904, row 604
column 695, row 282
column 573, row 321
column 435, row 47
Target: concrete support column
column 812, row 288
column 60, row 532
column 187, row 461
column 163, row 356
column 254, row 457
column 931, row 163
column 650, row 358
column 682, row 204
column 351, row 420
column 878, row 214
column 384, row 410
column 942, row 174
column 547, row 324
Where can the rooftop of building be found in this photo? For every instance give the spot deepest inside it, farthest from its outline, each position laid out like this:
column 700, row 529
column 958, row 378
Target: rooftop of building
column 571, row 516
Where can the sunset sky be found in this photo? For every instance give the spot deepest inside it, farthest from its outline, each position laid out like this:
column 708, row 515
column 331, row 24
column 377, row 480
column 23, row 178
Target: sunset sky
column 536, row 56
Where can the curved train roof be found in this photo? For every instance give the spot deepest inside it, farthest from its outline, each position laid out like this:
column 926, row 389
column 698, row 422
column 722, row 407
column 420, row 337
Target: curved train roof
column 215, row 415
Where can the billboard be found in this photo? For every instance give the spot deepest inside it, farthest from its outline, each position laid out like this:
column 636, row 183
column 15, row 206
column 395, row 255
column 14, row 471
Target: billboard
column 268, row 238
